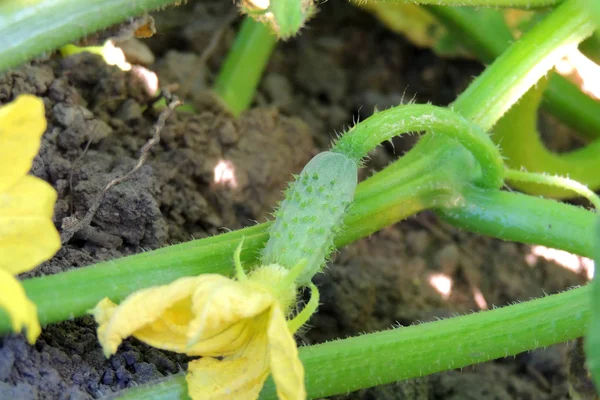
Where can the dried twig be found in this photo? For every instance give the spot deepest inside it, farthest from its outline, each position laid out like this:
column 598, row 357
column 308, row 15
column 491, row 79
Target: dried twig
column 72, row 225
column 72, row 171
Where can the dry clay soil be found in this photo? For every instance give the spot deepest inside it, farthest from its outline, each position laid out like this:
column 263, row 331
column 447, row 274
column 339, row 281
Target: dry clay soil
column 342, row 66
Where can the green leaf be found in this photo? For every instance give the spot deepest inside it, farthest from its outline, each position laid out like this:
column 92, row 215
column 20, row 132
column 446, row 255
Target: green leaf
column 31, row 28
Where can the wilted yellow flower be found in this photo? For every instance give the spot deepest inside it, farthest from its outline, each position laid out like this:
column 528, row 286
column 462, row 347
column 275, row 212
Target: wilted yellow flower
column 242, row 322
column 27, row 234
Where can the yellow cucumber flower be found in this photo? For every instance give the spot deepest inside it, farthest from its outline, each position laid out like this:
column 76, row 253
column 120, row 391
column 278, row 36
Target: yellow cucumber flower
column 238, row 326
column 27, row 234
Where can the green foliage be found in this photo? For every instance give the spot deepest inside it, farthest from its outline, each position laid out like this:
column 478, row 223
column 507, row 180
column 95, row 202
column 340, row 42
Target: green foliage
column 29, row 30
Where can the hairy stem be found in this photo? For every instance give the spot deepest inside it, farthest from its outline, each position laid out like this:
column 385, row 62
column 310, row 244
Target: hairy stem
column 525, row 4
column 490, row 38
column 526, row 219
column 387, row 124
column 424, row 349
column 523, row 64
column 554, row 181
column 241, row 72
column 342, row 366
column 28, row 29
column 592, row 339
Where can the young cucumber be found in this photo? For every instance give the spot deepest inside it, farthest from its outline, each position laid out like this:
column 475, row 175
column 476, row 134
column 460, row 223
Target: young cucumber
column 312, row 214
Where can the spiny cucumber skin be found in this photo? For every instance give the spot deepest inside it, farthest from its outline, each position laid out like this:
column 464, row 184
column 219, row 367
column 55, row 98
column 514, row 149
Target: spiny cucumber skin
column 312, row 213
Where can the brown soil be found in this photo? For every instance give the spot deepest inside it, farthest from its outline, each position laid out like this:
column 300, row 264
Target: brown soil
column 342, row 66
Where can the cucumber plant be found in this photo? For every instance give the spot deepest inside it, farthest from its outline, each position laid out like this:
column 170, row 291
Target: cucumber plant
column 455, row 169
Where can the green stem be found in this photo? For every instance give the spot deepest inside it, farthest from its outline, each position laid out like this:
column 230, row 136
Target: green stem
column 171, row 388
column 504, row 215
column 433, row 173
column 29, row 29
column 523, row 64
column 342, row 366
column 592, row 339
column 554, row 181
column 516, row 132
column 485, row 33
column 241, row 72
column 526, row 219
column 415, row 351
column 524, row 4
column 395, row 121
column 72, row 293
column 593, row 8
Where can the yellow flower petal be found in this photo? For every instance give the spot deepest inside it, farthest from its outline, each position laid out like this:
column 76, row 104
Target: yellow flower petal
column 241, row 321
column 161, row 316
column 237, row 377
column 22, row 312
column 104, row 311
column 286, row 368
column 142, row 308
column 211, row 379
column 223, row 304
column 27, row 234
column 222, row 344
column 22, row 123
